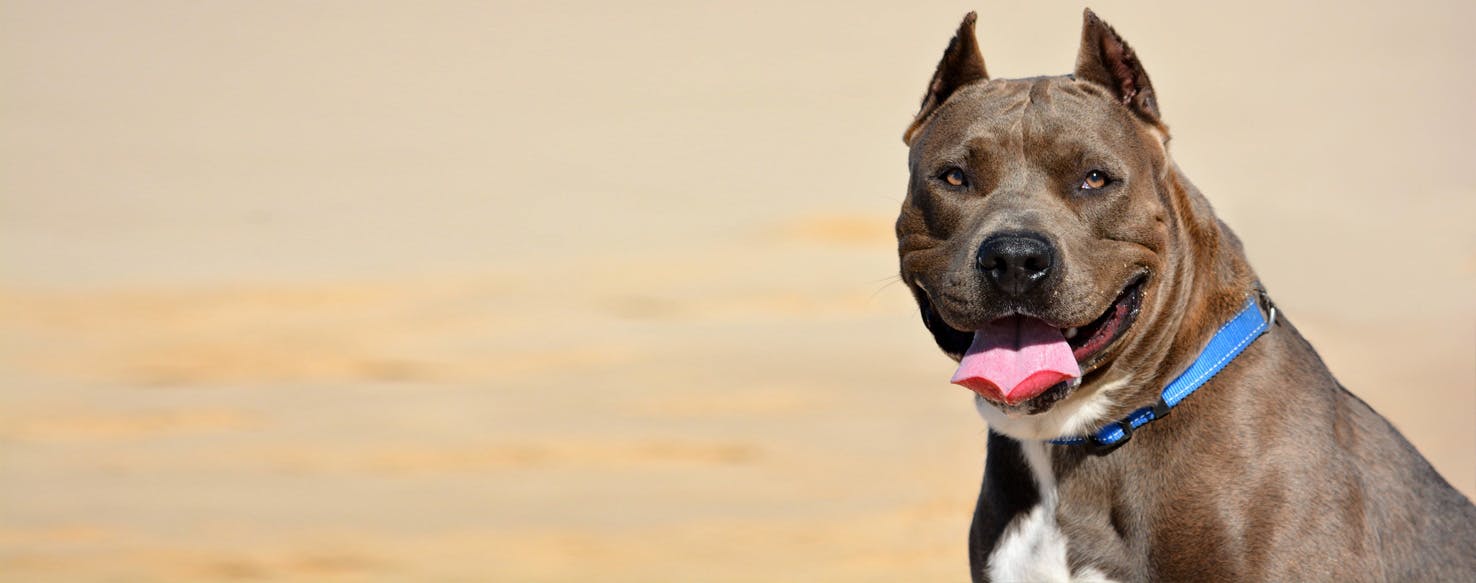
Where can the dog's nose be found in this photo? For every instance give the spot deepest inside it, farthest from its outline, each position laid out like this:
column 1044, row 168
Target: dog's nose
column 1016, row 263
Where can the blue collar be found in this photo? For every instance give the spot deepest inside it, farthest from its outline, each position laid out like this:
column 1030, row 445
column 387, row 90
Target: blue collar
column 1223, row 347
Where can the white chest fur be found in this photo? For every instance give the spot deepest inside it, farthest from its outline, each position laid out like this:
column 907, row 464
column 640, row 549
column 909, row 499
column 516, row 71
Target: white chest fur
column 1033, row 548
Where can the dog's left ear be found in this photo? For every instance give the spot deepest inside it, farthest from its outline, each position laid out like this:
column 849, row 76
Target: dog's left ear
column 962, row 64
column 1107, row 60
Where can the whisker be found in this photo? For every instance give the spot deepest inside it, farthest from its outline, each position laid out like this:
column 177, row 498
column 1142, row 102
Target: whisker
column 893, row 279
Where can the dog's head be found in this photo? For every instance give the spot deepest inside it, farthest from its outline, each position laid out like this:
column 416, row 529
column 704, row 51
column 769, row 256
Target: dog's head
column 1037, row 229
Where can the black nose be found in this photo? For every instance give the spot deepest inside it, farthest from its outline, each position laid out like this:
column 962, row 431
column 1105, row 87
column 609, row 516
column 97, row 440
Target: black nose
column 1016, row 263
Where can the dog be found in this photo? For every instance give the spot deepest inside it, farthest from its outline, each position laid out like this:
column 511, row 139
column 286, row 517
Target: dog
column 1152, row 415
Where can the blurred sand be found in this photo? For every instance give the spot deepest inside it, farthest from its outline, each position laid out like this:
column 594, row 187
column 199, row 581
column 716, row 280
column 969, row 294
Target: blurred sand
column 515, row 292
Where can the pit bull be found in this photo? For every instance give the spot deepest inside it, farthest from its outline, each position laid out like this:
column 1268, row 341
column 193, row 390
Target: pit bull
column 1152, row 415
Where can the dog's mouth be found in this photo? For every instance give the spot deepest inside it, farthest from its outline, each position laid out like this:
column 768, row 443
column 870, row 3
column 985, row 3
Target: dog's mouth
column 1091, row 341
column 1022, row 363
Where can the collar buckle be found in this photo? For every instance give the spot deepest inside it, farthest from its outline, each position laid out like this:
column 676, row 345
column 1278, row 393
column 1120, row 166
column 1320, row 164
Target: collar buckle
column 1161, row 409
column 1264, row 299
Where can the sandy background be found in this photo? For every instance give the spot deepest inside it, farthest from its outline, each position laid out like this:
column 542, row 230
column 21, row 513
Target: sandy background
column 524, row 292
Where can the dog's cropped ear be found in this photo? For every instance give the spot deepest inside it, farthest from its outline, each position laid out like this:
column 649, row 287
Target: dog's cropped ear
column 961, row 64
column 1107, row 60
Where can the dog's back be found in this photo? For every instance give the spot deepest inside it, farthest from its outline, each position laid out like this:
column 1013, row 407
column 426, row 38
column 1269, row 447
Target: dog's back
column 1423, row 529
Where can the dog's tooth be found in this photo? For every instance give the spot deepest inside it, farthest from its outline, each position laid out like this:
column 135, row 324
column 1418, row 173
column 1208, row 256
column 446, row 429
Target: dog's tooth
column 1070, row 333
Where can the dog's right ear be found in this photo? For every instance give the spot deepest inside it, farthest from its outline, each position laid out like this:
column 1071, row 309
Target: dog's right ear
column 962, row 64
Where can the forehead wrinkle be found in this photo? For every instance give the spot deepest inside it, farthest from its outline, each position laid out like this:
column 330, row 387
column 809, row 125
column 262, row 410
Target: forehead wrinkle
column 995, row 121
column 1053, row 96
column 1043, row 107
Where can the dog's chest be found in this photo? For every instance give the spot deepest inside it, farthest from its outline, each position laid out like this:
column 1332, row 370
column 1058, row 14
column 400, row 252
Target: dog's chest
column 1033, row 546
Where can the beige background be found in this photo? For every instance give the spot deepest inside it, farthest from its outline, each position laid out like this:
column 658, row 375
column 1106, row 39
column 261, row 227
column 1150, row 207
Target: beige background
column 522, row 292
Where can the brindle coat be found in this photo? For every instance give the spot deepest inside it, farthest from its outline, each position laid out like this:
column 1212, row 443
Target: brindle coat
column 1270, row 472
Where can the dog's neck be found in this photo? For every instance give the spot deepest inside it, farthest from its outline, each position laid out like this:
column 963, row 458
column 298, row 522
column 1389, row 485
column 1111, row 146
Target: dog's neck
column 1213, row 283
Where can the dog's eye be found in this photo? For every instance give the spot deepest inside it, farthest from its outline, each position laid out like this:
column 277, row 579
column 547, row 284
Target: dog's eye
column 954, row 177
column 1095, row 179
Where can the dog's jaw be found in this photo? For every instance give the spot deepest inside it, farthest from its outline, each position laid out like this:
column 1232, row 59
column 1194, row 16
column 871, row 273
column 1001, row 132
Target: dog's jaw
column 1081, row 413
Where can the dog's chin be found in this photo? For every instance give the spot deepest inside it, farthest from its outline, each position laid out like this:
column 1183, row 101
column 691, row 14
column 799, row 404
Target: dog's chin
column 1094, row 345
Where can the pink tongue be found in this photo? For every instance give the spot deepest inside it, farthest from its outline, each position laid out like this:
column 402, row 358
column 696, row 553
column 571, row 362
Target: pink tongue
column 1013, row 359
